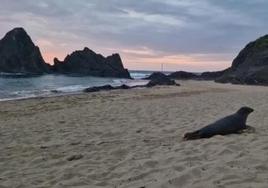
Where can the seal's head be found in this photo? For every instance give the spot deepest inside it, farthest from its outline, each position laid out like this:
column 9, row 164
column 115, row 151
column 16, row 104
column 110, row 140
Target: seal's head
column 245, row 110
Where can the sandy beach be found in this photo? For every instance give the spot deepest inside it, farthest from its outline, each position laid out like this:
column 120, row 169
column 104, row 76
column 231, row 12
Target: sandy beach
column 133, row 139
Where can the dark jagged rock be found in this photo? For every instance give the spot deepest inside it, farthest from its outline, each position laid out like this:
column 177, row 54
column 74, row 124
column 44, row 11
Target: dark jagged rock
column 250, row 66
column 106, row 88
column 156, row 75
column 151, row 83
column 182, row 75
column 161, row 82
column 18, row 54
column 75, row 157
column 159, row 78
column 123, row 87
column 211, row 75
column 87, row 62
column 99, row 88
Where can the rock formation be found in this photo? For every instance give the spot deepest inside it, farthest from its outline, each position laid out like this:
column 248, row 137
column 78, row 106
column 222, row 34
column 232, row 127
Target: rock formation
column 18, row 54
column 211, row 75
column 182, row 75
column 158, row 78
column 162, row 82
column 107, row 88
column 250, row 66
column 87, row 62
column 156, row 75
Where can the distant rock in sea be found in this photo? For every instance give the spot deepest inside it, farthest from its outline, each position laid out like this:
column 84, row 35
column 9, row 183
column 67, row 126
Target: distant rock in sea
column 250, row 66
column 182, row 75
column 162, row 82
column 156, row 75
column 87, row 62
column 18, row 54
column 211, row 75
column 107, row 88
column 158, row 79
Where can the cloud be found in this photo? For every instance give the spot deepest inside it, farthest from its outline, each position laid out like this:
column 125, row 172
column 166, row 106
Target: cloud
column 164, row 29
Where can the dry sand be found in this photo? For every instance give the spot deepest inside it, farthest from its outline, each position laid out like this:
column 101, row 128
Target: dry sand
column 133, row 139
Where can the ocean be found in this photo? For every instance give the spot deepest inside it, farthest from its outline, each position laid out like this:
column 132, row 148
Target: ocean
column 19, row 87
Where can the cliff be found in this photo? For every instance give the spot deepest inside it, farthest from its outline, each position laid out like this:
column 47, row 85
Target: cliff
column 250, row 66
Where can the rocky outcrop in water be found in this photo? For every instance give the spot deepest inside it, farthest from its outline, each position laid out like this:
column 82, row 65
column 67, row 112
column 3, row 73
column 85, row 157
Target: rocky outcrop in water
column 211, row 75
column 158, row 78
column 182, row 75
column 87, row 62
column 107, row 88
column 162, row 81
column 18, row 54
column 250, row 66
column 156, row 75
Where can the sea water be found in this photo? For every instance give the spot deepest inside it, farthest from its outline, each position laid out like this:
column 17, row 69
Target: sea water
column 20, row 87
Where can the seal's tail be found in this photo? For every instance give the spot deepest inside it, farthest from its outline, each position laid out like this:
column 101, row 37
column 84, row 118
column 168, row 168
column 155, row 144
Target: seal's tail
column 192, row 135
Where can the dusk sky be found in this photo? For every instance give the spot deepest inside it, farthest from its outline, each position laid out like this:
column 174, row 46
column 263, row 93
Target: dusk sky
column 191, row 35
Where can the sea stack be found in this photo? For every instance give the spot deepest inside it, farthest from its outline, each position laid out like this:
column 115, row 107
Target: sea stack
column 250, row 66
column 18, row 54
column 87, row 62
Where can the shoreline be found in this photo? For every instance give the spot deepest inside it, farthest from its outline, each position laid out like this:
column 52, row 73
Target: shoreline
column 138, row 82
column 40, row 97
column 47, row 93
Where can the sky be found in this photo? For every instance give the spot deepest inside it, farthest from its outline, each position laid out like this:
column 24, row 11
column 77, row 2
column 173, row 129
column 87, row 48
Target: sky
column 191, row 35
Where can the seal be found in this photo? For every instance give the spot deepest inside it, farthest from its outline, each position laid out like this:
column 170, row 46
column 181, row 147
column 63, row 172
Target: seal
column 231, row 124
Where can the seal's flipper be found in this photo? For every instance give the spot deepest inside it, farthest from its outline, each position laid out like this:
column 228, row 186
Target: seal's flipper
column 249, row 129
column 192, row 136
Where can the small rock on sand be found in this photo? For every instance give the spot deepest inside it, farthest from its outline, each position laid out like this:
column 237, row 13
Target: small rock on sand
column 75, row 157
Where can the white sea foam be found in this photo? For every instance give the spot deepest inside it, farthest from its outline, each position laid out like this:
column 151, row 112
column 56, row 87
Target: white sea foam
column 13, row 88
